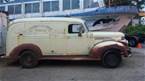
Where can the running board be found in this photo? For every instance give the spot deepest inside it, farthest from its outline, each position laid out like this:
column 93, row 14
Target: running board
column 73, row 58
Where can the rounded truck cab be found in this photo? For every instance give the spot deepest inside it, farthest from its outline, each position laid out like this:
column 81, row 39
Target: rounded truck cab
column 58, row 38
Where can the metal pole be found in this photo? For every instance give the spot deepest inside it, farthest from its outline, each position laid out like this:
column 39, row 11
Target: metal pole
column 41, row 8
column 109, row 3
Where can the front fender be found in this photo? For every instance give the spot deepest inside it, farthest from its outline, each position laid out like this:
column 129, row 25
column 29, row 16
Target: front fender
column 108, row 43
column 99, row 49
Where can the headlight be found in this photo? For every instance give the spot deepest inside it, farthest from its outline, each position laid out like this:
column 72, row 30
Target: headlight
column 124, row 41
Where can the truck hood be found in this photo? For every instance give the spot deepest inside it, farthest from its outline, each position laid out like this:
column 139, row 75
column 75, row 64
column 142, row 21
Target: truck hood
column 108, row 35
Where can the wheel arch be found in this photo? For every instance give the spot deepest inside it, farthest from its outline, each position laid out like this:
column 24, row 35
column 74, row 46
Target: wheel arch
column 111, row 49
column 98, row 51
column 20, row 48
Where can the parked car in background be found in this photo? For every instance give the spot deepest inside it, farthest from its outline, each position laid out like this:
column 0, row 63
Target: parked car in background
column 133, row 40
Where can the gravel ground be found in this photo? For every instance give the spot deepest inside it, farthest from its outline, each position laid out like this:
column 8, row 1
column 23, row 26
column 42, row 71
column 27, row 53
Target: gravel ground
column 132, row 69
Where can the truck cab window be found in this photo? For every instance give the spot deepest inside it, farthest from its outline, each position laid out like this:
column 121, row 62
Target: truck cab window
column 75, row 28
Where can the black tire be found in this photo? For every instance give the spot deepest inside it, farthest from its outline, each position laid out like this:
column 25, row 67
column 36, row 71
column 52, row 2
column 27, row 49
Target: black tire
column 132, row 42
column 28, row 59
column 111, row 59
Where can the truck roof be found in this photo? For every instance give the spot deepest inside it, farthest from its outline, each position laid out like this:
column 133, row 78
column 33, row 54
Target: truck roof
column 47, row 19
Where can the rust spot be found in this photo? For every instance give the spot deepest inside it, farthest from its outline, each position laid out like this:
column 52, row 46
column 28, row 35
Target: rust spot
column 97, row 52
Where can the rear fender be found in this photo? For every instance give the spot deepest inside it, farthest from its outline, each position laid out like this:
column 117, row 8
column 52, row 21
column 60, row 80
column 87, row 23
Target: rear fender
column 14, row 54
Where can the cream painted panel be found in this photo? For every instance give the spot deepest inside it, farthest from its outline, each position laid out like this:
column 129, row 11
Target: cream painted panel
column 49, row 36
column 51, row 41
column 58, row 39
column 58, row 46
column 13, row 31
column 41, row 41
column 79, row 45
column 42, row 34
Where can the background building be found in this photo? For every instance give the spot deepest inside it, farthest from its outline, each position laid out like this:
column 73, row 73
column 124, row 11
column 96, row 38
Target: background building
column 37, row 8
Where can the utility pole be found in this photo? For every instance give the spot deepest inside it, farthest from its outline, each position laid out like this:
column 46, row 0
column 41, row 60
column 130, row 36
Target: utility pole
column 109, row 3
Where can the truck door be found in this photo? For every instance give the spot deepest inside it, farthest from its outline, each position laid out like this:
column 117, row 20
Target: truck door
column 77, row 45
column 57, row 39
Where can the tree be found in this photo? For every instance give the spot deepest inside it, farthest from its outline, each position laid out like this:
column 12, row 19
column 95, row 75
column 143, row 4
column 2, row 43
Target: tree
column 140, row 3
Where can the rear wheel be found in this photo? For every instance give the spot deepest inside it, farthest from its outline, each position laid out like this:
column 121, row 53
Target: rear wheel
column 28, row 59
column 111, row 59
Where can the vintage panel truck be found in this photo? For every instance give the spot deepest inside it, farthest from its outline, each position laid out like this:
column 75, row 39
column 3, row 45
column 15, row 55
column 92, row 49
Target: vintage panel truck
column 29, row 40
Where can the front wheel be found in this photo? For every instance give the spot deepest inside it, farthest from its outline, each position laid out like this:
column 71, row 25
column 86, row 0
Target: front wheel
column 28, row 59
column 111, row 59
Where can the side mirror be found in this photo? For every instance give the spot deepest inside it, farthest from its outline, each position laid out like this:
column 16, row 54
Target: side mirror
column 80, row 34
column 80, row 31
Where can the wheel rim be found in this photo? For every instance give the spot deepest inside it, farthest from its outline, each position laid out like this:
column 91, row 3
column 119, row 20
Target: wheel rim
column 112, row 60
column 28, row 60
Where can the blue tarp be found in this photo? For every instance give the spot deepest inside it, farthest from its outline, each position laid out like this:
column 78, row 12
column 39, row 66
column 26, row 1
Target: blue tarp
column 110, row 10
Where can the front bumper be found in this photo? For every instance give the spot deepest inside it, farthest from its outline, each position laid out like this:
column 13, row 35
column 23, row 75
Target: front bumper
column 1, row 55
column 127, row 50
